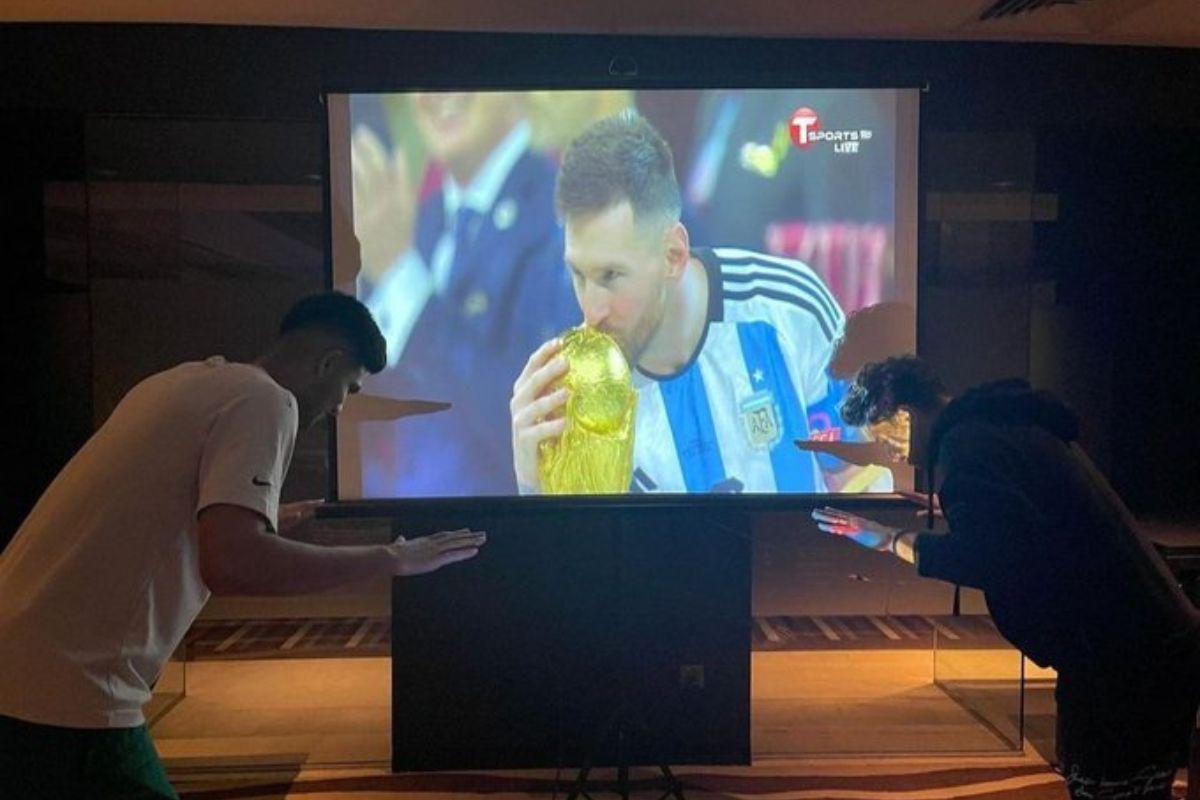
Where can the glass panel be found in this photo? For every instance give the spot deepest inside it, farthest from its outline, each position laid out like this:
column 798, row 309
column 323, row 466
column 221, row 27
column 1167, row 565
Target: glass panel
column 170, row 689
column 854, row 653
column 983, row 674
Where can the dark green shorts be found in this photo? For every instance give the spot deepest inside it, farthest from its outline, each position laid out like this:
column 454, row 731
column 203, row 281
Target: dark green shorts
column 43, row 761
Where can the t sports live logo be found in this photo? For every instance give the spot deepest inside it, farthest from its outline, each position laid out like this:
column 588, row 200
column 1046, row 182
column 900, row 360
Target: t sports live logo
column 806, row 130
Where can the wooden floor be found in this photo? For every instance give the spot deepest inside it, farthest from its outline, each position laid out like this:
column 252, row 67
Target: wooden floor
column 336, row 712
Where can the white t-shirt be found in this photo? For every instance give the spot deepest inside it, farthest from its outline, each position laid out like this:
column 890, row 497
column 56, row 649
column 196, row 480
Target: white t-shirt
column 102, row 580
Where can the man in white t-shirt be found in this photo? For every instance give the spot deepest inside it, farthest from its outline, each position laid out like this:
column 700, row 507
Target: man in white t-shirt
column 174, row 498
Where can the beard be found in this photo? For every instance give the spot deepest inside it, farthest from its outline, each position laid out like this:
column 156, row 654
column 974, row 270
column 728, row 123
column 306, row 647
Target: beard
column 635, row 341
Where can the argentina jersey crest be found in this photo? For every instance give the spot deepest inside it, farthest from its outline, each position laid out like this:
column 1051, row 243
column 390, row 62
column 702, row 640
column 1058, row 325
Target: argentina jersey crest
column 760, row 417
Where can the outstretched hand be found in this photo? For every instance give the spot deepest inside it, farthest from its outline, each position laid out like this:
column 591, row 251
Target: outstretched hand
column 431, row 553
column 866, row 532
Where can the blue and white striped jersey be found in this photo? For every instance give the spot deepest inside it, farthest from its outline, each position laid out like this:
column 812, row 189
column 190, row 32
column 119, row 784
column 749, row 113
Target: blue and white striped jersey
column 727, row 420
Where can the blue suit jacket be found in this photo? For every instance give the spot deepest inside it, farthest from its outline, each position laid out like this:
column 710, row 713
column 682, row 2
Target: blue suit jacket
column 507, row 293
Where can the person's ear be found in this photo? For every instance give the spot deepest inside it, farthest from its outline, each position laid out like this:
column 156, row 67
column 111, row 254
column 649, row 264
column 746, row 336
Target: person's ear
column 677, row 249
column 329, row 361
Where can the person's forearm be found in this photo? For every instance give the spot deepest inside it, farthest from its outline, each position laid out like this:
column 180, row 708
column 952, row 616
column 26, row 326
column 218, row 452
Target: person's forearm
column 860, row 454
column 271, row 565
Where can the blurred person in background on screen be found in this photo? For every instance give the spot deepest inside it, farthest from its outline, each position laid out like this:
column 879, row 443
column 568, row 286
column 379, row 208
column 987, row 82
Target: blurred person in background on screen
column 556, row 117
column 175, row 498
column 729, row 347
column 466, row 279
column 1069, row 577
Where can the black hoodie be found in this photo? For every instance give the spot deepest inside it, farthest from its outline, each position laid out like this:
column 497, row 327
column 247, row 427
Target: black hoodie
column 1068, row 577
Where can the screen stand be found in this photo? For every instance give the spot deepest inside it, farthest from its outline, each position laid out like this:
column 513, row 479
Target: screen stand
column 665, row 781
column 626, row 718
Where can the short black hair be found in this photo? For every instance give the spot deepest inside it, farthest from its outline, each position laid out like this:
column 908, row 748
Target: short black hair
column 344, row 316
column 881, row 388
column 615, row 159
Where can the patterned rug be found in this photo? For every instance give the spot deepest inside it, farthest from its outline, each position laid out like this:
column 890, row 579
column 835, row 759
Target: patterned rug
column 1020, row 782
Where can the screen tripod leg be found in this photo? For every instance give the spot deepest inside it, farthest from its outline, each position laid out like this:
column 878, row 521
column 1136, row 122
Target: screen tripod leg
column 674, row 786
column 580, row 787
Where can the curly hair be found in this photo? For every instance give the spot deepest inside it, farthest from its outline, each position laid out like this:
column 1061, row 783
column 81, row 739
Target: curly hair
column 880, row 389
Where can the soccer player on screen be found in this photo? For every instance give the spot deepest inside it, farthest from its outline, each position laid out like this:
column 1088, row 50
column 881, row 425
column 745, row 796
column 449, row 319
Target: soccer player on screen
column 729, row 347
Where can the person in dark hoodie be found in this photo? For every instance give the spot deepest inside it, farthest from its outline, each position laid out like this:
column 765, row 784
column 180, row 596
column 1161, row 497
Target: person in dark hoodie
column 1068, row 576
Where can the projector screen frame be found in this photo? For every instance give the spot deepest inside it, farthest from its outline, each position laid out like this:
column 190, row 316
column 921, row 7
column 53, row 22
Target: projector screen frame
column 621, row 70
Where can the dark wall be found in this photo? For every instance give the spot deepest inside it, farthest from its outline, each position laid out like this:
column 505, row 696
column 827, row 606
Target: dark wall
column 1092, row 299
column 45, row 360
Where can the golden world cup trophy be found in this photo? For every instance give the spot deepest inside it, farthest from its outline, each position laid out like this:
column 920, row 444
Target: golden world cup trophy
column 594, row 455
